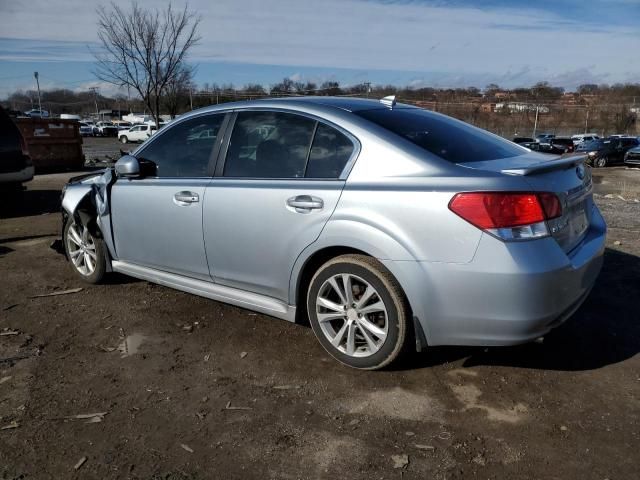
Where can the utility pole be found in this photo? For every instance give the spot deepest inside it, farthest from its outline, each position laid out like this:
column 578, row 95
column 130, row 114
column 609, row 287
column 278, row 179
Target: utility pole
column 95, row 100
column 368, row 85
column 535, row 123
column 586, row 122
column 191, row 97
column 35, row 74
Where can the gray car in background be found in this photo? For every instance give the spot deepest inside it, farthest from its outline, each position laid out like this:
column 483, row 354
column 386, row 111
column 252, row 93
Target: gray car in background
column 386, row 226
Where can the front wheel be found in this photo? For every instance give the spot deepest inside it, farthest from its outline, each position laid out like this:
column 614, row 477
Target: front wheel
column 124, row 139
column 358, row 311
column 601, row 162
column 85, row 251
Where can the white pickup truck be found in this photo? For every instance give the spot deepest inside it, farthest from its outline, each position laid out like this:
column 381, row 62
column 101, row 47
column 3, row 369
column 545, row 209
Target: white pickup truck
column 137, row 133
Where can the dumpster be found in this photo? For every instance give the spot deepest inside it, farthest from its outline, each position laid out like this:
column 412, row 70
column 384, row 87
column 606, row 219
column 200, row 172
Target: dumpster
column 54, row 144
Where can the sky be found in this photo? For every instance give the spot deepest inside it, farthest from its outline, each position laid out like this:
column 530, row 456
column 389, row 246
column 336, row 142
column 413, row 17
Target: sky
column 457, row 43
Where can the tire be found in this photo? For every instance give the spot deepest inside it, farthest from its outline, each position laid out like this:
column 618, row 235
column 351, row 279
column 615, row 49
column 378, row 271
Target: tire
column 370, row 336
column 124, row 139
column 601, row 162
column 91, row 243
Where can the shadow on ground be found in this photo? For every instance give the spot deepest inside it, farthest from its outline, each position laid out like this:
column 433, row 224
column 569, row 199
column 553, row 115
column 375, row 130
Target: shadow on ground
column 27, row 203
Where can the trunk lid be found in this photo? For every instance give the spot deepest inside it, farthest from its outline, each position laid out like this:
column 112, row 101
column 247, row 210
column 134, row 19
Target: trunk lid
column 566, row 176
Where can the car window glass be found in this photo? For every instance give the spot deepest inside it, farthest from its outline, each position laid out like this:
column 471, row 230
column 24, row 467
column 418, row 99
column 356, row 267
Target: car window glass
column 445, row 137
column 329, row 154
column 269, row 145
column 184, row 149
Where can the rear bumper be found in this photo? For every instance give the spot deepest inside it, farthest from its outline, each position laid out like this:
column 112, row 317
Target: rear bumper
column 20, row 176
column 510, row 293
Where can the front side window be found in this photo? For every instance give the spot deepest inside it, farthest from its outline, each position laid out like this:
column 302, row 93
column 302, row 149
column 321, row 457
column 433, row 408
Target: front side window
column 184, row 150
column 269, row 145
column 449, row 139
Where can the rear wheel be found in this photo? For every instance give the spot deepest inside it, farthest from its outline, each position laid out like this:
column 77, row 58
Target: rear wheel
column 85, row 251
column 124, row 139
column 358, row 311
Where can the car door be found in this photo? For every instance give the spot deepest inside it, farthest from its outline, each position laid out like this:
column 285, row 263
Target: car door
column 157, row 219
column 625, row 145
column 279, row 183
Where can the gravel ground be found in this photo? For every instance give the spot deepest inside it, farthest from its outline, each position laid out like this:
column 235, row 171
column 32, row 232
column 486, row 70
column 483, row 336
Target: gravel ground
column 179, row 387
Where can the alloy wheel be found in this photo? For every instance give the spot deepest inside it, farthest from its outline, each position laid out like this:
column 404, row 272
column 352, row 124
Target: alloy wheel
column 352, row 315
column 81, row 249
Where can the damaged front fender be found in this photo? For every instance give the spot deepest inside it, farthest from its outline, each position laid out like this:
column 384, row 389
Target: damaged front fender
column 86, row 198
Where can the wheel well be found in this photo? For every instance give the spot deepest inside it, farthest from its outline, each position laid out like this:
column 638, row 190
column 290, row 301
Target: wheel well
column 86, row 212
column 311, row 266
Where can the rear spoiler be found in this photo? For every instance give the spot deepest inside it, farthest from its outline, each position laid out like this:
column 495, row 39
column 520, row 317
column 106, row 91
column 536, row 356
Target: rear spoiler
column 562, row 163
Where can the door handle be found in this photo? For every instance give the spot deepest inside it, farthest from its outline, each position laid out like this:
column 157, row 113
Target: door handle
column 305, row 203
column 183, row 199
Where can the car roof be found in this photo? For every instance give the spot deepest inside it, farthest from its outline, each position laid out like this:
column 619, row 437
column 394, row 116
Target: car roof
column 348, row 104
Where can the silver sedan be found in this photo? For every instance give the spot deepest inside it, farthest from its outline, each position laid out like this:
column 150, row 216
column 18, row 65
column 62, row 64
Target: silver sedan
column 388, row 227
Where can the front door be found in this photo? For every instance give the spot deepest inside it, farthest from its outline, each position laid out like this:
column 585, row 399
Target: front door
column 280, row 183
column 157, row 219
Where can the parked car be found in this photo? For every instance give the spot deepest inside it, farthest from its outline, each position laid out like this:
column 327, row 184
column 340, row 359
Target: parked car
column 86, row 130
column 37, row 113
column 106, row 129
column 16, row 166
column 123, row 125
column 602, row 153
column 584, row 138
column 561, row 145
column 384, row 224
column 523, row 140
column 137, row 133
column 544, row 137
column 632, row 157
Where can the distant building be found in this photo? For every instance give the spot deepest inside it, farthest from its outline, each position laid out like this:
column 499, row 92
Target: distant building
column 112, row 114
column 520, row 107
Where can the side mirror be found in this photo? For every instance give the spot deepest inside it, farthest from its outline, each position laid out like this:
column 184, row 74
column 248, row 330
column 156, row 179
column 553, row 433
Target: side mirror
column 128, row 166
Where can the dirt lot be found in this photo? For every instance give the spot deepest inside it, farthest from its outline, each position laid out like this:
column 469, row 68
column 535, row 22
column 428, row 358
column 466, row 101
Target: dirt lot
column 181, row 387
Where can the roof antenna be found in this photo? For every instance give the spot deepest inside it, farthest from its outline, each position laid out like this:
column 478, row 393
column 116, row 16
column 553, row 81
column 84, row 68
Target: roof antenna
column 389, row 101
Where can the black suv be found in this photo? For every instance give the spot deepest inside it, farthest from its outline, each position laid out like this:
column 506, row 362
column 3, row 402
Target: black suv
column 609, row 151
column 16, row 166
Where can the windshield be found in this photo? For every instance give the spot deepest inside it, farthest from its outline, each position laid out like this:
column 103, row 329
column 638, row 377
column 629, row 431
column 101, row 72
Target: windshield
column 446, row 137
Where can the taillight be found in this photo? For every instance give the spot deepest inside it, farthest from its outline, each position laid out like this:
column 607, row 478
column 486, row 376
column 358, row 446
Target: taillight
column 550, row 204
column 508, row 215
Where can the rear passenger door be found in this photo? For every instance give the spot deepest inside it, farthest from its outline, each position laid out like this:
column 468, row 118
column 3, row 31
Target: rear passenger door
column 279, row 183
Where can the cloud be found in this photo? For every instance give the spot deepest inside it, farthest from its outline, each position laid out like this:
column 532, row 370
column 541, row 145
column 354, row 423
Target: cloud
column 444, row 42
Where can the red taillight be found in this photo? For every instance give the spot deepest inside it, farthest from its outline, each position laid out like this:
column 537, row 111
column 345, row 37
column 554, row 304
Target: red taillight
column 550, row 204
column 491, row 210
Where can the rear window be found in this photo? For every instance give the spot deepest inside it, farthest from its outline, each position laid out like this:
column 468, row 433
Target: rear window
column 449, row 139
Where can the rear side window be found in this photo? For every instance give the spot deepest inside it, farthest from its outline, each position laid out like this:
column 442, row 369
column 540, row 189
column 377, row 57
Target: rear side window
column 329, row 154
column 269, row 145
column 449, row 139
column 184, row 149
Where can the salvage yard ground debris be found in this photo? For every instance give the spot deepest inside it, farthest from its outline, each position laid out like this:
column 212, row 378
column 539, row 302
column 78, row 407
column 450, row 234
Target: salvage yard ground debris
column 286, row 410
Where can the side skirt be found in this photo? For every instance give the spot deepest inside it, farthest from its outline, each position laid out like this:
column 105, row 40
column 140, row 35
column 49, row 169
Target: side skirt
column 220, row 293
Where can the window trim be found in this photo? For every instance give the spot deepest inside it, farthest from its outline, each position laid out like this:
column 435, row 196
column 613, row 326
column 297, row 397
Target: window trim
column 213, row 155
column 222, row 156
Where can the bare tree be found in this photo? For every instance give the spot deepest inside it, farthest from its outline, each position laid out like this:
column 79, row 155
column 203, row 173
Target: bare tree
column 178, row 90
column 144, row 49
